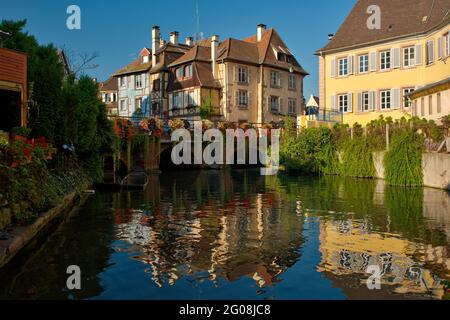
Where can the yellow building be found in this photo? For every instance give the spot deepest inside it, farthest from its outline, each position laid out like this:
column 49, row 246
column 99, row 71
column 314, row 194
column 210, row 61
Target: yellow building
column 367, row 70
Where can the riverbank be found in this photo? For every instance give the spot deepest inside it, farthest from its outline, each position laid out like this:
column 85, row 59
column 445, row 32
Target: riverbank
column 21, row 236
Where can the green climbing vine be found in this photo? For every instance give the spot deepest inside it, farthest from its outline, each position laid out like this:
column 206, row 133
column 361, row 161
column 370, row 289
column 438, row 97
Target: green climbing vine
column 403, row 161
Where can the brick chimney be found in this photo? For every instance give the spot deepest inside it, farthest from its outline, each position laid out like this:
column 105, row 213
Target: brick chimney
column 174, row 37
column 261, row 28
column 156, row 37
column 214, row 47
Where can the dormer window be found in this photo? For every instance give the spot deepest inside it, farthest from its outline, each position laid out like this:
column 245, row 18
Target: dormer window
column 188, row 71
column 179, row 73
column 145, row 59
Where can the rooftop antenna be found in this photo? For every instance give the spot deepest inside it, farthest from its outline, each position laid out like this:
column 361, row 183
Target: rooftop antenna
column 199, row 35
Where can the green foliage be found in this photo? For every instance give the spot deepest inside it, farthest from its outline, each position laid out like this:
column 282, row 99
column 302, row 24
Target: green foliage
column 403, row 161
column 305, row 152
column 357, row 160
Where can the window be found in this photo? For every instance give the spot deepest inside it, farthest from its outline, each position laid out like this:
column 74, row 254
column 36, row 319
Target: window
column 138, row 81
column 343, row 103
column 145, row 59
column 188, row 71
column 447, row 44
column 138, row 104
column 292, row 82
column 365, row 101
column 114, row 97
column 274, row 104
column 406, row 101
column 385, row 99
column 275, row 79
column 123, row 81
column 190, row 98
column 364, row 63
column 242, row 75
column 179, row 73
column 123, row 105
column 242, row 98
column 439, row 106
column 176, row 100
column 385, row 60
column 430, row 52
column 343, row 67
column 408, row 57
column 430, row 105
column 292, row 106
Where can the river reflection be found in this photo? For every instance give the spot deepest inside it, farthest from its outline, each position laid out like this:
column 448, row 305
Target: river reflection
column 238, row 235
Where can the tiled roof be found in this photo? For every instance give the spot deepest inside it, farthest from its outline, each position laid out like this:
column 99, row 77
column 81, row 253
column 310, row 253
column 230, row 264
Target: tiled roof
column 109, row 85
column 201, row 77
column 134, row 67
column 197, row 53
column 399, row 18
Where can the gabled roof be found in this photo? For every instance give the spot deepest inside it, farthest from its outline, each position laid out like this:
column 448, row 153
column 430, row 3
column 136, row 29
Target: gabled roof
column 168, row 53
column 136, row 66
column 398, row 19
column 109, row 85
column 201, row 77
column 197, row 53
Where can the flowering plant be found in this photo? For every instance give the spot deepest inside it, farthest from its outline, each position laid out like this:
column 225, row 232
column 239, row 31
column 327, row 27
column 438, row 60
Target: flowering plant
column 124, row 129
column 206, row 125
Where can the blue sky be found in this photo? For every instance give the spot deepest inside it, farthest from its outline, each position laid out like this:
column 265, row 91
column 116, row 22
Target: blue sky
column 117, row 30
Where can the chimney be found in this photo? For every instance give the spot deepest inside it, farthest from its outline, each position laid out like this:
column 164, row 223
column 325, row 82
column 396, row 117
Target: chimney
column 261, row 28
column 174, row 37
column 214, row 46
column 330, row 36
column 189, row 41
column 162, row 43
column 156, row 36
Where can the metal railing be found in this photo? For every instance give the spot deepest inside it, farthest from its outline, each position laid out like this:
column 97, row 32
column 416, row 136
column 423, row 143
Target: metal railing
column 319, row 114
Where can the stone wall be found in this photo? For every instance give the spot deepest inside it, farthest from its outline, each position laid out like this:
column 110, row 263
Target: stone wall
column 435, row 166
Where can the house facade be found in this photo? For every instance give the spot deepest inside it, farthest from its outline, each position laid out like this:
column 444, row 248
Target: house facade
column 133, row 83
column 108, row 94
column 366, row 73
column 13, row 89
column 256, row 80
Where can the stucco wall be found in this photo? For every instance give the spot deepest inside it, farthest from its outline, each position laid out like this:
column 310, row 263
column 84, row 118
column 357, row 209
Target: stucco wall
column 418, row 75
column 421, row 106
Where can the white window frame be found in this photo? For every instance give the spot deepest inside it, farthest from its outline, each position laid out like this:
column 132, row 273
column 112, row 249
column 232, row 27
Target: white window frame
column 365, row 101
column 363, row 60
column 292, row 106
column 343, row 103
column 407, row 103
column 123, row 105
column 385, row 100
column 189, row 73
column 292, row 82
column 274, row 101
column 343, row 67
column 385, row 60
column 138, row 81
column 409, row 57
column 123, row 81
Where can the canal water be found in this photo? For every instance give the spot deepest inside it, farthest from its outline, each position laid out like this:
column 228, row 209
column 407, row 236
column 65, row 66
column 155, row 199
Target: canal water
column 238, row 235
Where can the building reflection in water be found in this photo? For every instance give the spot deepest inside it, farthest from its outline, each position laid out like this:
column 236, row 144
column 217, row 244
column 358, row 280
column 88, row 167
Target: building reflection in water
column 221, row 225
column 414, row 266
column 216, row 226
